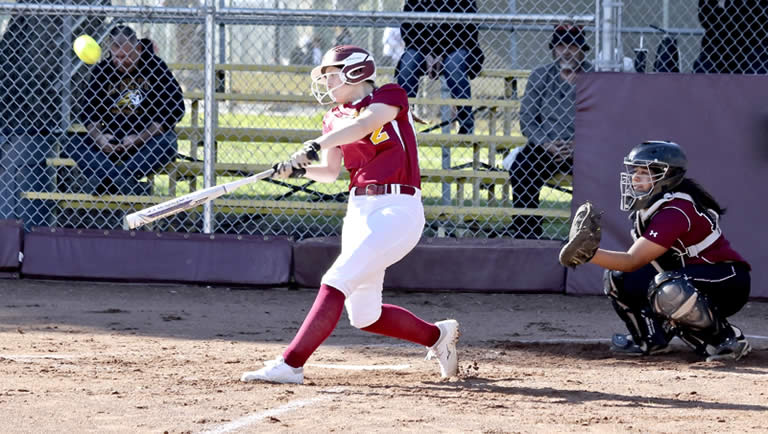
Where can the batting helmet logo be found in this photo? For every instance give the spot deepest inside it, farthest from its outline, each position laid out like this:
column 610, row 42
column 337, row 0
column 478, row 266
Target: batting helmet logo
column 356, row 66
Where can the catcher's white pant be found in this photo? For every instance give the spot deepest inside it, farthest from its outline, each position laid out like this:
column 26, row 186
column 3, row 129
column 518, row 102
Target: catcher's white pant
column 377, row 232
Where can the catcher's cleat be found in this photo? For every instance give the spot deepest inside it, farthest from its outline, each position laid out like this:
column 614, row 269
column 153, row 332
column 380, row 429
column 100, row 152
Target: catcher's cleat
column 445, row 348
column 276, row 371
column 733, row 348
column 624, row 344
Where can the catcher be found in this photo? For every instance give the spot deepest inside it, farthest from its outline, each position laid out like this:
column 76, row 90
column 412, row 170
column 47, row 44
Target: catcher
column 680, row 277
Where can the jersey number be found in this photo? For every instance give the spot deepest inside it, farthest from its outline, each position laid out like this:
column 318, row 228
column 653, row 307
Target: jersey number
column 379, row 136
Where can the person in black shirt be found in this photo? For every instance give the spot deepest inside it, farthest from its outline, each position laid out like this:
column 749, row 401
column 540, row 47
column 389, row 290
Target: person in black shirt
column 130, row 109
column 448, row 49
column 735, row 39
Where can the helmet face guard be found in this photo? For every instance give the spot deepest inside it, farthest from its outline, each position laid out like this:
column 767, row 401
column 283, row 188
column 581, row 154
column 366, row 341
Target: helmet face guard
column 320, row 90
column 633, row 198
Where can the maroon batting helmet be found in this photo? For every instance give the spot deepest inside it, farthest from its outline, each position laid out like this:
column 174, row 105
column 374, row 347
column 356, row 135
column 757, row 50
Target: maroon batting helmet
column 356, row 64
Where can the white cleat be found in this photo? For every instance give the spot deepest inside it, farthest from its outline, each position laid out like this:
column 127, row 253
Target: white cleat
column 276, row 371
column 445, row 348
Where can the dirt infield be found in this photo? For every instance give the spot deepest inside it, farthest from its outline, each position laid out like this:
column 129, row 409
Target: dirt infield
column 85, row 357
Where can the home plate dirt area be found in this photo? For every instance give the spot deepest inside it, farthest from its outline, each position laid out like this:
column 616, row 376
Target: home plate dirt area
column 99, row 357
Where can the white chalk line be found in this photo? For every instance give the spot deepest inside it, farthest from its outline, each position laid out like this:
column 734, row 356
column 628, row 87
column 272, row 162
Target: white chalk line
column 530, row 341
column 23, row 357
column 30, row 357
column 558, row 340
column 256, row 417
column 360, row 367
column 587, row 340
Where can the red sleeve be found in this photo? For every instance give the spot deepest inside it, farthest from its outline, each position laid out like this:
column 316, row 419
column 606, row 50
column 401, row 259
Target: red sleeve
column 667, row 226
column 391, row 94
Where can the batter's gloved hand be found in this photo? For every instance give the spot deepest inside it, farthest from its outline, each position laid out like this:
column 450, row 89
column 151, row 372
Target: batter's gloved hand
column 584, row 238
column 285, row 170
column 307, row 155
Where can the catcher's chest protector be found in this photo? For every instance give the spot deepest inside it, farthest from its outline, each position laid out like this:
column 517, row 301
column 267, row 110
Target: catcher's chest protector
column 676, row 255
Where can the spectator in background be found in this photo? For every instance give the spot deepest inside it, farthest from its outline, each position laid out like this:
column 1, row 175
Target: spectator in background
column 130, row 109
column 392, row 46
column 546, row 119
column 149, row 46
column 308, row 52
column 450, row 50
column 734, row 40
column 316, row 48
column 343, row 37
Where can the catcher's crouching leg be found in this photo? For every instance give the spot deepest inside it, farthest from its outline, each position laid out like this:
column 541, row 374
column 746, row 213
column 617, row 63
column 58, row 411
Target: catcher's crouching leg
column 700, row 326
column 649, row 334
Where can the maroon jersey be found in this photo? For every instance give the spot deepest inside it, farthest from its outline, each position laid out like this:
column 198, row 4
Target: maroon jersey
column 389, row 155
column 692, row 236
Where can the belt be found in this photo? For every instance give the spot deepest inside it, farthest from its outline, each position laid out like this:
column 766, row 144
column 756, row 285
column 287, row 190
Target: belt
column 377, row 189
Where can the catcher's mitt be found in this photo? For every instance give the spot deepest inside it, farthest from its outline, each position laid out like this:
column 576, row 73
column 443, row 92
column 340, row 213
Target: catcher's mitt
column 584, row 238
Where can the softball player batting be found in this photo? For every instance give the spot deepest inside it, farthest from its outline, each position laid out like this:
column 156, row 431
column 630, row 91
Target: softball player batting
column 372, row 130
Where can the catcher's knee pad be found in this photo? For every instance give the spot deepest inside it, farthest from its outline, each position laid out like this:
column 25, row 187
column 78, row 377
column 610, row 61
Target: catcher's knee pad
column 674, row 297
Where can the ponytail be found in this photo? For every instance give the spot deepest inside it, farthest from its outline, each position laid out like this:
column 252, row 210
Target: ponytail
column 701, row 197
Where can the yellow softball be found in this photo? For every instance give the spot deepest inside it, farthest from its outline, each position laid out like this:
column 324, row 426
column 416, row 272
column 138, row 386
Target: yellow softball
column 87, row 49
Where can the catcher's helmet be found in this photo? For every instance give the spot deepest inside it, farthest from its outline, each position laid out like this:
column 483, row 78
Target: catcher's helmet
column 356, row 66
column 666, row 163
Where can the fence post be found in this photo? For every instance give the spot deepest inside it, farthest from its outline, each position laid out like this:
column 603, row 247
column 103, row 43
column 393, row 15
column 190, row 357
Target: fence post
column 610, row 50
column 209, row 94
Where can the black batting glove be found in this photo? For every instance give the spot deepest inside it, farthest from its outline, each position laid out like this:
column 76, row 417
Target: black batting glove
column 285, row 170
column 308, row 154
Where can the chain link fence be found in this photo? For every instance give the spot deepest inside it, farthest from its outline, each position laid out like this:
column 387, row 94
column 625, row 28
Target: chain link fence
column 84, row 144
column 704, row 36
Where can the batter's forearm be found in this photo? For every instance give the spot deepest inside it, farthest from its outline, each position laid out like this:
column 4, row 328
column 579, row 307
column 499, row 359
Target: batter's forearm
column 321, row 173
column 350, row 133
column 342, row 136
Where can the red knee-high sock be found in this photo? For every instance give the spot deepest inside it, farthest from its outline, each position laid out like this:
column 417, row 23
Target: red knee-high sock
column 399, row 323
column 317, row 326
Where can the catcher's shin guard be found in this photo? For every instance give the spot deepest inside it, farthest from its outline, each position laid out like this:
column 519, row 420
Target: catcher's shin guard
column 648, row 331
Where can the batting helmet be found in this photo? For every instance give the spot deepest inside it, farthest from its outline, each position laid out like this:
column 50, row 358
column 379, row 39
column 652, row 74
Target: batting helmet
column 356, row 65
column 666, row 164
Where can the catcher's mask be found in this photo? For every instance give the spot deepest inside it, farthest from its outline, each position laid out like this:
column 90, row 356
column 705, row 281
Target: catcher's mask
column 356, row 66
column 666, row 164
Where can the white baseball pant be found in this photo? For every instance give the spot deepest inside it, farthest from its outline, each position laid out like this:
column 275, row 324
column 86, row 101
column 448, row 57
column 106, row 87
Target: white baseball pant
column 377, row 232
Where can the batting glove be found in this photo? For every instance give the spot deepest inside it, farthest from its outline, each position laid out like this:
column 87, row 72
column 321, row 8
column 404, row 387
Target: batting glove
column 308, row 154
column 285, row 170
